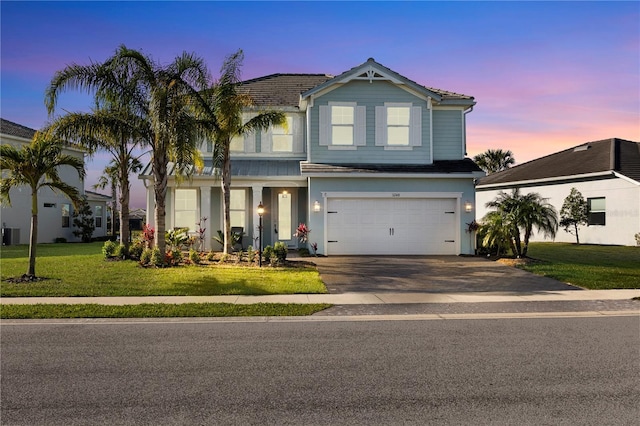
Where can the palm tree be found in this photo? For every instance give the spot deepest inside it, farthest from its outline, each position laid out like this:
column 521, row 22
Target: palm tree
column 495, row 232
column 37, row 166
column 108, row 130
column 523, row 213
column 161, row 99
column 221, row 116
column 494, row 160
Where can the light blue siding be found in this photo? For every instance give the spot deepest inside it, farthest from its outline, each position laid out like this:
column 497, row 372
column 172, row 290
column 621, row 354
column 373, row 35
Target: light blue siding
column 370, row 95
column 448, row 135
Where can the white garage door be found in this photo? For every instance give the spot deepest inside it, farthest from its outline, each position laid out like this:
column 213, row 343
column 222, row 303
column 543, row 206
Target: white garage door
column 391, row 226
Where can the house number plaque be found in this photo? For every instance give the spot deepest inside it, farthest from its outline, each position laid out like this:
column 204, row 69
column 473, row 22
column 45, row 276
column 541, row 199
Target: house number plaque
column 395, row 194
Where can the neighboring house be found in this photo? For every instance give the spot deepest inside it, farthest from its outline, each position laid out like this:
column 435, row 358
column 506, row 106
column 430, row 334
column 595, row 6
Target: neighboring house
column 606, row 172
column 55, row 211
column 371, row 161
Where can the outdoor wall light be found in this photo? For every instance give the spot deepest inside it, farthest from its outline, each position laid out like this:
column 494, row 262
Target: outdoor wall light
column 468, row 207
column 316, row 206
column 260, row 211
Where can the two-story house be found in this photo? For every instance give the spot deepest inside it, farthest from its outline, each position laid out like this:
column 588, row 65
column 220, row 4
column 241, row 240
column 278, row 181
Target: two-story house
column 372, row 162
column 55, row 211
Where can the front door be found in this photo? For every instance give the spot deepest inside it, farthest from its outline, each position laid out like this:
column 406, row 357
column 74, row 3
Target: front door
column 285, row 202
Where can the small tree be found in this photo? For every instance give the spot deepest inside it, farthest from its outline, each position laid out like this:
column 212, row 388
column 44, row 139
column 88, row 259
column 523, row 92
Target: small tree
column 574, row 213
column 83, row 220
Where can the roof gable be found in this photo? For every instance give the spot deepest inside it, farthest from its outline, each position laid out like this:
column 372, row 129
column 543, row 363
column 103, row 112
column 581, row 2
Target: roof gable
column 608, row 155
column 373, row 71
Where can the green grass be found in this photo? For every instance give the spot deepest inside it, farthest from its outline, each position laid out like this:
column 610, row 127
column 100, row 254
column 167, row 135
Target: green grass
column 158, row 310
column 76, row 269
column 590, row 266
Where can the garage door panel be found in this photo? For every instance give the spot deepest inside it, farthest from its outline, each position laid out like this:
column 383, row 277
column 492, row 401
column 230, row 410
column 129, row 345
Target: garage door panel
column 391, row 226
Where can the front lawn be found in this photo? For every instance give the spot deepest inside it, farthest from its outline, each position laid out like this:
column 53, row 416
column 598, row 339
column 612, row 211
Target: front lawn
column 76, row 269
column 591, row 266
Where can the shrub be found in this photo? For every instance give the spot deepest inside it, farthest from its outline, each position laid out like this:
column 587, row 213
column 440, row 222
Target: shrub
column 279, row 253
column 267, row 253
column 156, row 258
column 637, row 239
column 194, row 257
column 251, row 254
column 176, row 238
column 109, row 249
column 60, row 240
column 145, row 256
column 135, row 250
column 120, row 252
column 173, row 257
column 211, row 256
column 224, row 258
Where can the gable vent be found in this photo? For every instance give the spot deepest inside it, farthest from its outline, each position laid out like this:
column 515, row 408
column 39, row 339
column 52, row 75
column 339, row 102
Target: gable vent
column 581, row 148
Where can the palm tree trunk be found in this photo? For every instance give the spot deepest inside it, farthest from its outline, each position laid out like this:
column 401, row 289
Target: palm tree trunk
column 114, row 208
column 226, row 200
column 160, row 192
column 33, row 242
column 124, row 202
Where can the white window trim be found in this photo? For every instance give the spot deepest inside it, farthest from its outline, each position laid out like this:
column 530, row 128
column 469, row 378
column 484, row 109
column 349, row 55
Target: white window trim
column 415, row 126
column 246, row 209
column 359, row 126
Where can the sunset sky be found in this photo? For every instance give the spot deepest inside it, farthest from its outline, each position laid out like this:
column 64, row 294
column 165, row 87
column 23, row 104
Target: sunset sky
column 546, row 75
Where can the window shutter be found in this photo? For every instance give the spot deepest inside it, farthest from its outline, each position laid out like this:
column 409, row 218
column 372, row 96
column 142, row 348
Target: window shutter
column 324, row 125
column 415, row 131
column 381, row 126
column 297, row 133
column 250, row 142
column 360, row 126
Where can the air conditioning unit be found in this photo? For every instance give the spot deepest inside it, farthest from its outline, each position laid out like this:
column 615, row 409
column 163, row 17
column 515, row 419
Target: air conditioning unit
column 10, row 236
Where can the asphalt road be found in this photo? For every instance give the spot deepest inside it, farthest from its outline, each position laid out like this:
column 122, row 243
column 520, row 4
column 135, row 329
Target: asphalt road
column 498, row 371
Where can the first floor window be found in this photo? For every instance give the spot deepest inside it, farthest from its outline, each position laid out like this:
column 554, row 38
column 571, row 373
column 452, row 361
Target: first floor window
column 597, row 211
column 98, row 215
column 238, row 207
column 186, row 208
column 66, row 214
column 237, row 144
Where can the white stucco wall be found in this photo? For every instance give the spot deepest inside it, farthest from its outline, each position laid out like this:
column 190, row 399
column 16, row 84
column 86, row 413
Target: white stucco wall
column 622, row 208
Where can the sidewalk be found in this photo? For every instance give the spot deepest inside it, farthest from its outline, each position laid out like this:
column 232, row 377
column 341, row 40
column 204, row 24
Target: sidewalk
column 344, row 298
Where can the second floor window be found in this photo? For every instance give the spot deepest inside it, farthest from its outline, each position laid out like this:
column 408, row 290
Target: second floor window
column 282, row 137
column 597, row 211
column 342, row 120
column 342, row 125
column 398, row 126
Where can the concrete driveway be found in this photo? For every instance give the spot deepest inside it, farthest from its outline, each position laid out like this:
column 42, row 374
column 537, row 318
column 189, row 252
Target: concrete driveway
column 428, row 274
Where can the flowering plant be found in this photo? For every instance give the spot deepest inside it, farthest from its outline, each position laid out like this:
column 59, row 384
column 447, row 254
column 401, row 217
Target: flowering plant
column 201, row 230
column 302, row 233
column 148, row 234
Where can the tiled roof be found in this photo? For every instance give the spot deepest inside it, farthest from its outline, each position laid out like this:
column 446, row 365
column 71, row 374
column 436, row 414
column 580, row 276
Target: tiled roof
column 613, row 154
column 281, row 89
column 445, row 166
column 10, row 128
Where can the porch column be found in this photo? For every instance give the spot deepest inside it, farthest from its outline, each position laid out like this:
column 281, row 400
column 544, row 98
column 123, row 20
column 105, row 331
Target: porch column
column 151, row 206
column 205, row 211
column 257, row 198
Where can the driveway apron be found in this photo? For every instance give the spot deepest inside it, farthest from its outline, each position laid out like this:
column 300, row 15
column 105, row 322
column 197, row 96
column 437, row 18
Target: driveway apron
column 428, row 274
